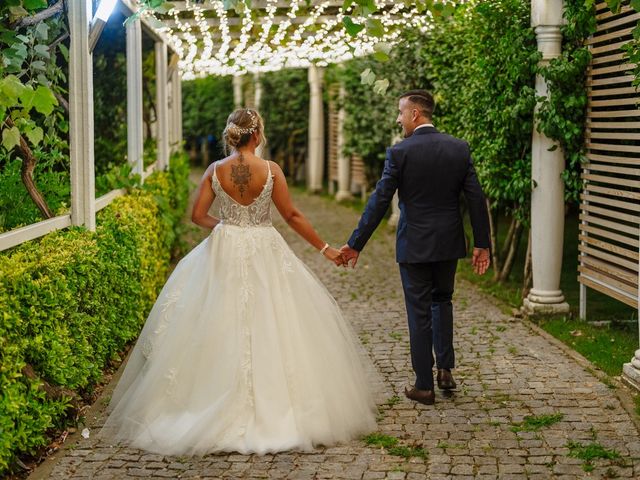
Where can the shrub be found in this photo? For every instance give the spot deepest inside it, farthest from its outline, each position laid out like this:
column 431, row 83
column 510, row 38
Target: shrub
column 72, row 300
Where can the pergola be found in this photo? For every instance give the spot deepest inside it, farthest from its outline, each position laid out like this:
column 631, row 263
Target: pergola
column 195, row 39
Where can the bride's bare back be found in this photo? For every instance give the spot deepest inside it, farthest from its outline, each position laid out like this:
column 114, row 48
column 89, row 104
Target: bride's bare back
column 242, row 176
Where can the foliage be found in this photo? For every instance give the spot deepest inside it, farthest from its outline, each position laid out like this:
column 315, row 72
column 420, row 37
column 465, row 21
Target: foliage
column 73, row 299
column 590, row 452
column 480, row 97
column 51, row 176
column 533, row 423
column 29, row 74
column 562, row 114
column 285, row 109
column 206, row 104
column 369, row 119
column 109, row 104
column 391, row 445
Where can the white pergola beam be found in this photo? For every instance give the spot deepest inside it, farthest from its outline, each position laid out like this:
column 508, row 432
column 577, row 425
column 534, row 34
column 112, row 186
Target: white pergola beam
column 135, row 121
column 81, row 137
column 181, row 6
column 162, row 105
column 237, row 21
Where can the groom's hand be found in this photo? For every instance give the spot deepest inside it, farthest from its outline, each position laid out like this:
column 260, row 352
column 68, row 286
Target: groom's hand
column 481, row 260
column 349, row 255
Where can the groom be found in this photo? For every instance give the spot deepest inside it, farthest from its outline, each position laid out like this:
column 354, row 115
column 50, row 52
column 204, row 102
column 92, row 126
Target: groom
column 430, row 170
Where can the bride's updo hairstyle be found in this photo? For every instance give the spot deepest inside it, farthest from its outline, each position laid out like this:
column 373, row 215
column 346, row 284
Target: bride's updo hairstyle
column 241, row 124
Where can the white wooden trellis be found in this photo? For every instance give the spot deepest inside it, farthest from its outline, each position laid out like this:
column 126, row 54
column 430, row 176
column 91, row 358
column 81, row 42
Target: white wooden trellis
column 84, row 205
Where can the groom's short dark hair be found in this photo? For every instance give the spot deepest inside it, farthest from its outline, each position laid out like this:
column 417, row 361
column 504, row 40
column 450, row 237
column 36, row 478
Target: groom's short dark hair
column 422, row 98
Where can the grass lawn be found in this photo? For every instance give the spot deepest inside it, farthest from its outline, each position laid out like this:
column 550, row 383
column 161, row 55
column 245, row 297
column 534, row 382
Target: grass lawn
column 608, row 346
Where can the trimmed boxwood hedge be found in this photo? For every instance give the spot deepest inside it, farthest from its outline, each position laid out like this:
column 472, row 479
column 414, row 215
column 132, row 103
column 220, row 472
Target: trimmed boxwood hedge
column 70, row 301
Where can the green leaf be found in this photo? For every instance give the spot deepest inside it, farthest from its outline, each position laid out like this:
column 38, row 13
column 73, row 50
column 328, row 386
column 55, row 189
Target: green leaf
column 27, row 98
column 381, row 56
column 18, row 12
column 352, row 28
column 346, row 5
column 34, row 4
column 367, row 77
column 10, row 137
column 38, row 65
column 35, row 135
column 42, row 50
column 10, row 89
column 636, row 5
column 64, row 50
column 42, row 31
column 375, row 27
column 44, row 100
column 383, row 47
column 380, row 87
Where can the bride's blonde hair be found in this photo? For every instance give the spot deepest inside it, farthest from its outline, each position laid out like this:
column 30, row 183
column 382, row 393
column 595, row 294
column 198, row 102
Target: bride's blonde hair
column 241, row 124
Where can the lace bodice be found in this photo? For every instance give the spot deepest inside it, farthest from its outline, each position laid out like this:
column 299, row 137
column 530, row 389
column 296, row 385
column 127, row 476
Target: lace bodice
column 256, row 214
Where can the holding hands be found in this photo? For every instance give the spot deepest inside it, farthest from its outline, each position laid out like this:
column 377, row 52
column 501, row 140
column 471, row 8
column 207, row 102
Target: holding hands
column 344, row 257
column 333, row 255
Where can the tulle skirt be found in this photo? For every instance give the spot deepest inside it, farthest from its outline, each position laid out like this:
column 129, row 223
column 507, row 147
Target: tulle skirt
column 244, row 350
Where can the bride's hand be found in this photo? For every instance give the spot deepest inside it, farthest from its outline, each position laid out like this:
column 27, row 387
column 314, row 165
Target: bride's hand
column 335, row 256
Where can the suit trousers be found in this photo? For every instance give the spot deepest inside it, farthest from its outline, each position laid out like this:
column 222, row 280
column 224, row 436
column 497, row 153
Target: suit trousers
column 428, row 288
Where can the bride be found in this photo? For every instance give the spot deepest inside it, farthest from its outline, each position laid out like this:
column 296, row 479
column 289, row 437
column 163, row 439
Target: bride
column 244, row 350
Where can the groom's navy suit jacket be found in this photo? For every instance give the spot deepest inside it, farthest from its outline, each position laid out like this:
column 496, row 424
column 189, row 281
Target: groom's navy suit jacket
column 430, row 170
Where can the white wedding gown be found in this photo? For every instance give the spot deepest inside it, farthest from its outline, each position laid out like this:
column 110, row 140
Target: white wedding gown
column 244, row 350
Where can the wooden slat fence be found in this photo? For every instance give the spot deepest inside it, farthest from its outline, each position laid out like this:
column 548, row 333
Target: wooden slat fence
column 610, row 201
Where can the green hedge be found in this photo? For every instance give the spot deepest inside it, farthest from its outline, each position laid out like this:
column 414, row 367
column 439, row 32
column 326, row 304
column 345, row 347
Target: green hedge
column 73, row 299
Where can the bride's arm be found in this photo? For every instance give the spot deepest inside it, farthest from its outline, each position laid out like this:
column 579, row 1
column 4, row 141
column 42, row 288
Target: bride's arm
column 204, row 199
column 294, row 217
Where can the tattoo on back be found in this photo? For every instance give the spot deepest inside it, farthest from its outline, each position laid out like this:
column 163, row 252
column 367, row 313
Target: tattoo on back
column 240, row 175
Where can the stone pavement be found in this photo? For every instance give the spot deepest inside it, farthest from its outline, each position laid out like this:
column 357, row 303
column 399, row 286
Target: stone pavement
column 505, row 373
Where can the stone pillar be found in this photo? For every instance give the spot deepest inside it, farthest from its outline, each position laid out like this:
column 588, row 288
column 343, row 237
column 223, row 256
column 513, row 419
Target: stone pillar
column 344, row 161
column 315, row 159
column 237, row 91
column 81, row 138
column 162, row 106
column 135, row 122
column 547, row 197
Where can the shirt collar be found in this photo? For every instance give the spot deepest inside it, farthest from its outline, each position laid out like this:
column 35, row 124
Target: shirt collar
column 423, row 125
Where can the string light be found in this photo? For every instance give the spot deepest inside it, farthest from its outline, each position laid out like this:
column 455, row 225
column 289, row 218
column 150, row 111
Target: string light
column 319, row 40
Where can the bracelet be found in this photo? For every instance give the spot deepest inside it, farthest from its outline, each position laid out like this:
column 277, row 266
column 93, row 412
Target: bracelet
column 324, row 249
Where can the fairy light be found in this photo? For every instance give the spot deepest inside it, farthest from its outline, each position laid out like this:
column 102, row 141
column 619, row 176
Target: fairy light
column 268, row 51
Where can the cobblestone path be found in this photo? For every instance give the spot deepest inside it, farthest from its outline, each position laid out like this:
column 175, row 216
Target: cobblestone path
column 505, row 373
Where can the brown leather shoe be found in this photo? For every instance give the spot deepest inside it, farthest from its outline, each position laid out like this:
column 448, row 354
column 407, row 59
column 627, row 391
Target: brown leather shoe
column 445, row 380
column 426, row 397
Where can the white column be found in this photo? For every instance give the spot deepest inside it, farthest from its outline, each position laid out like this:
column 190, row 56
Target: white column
column 257, row 96
column 179, row 107
column 162, row 106
column 135, row 125
column 237, row 91
column 547, row 197
column 175, row 138
column 315, row 162
column 344, row 161
column 81, row 141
